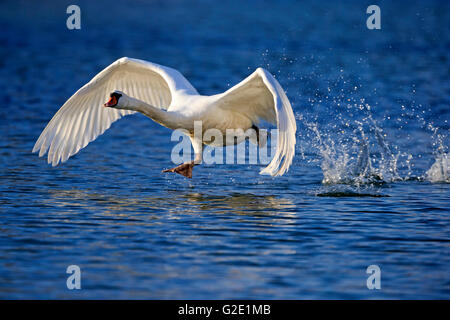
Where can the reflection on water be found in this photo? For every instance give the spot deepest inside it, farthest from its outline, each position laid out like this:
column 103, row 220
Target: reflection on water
column 243, row 204
column 185, row 203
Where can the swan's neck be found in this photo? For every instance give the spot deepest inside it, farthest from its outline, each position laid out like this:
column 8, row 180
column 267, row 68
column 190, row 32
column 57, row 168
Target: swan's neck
column 167, row 119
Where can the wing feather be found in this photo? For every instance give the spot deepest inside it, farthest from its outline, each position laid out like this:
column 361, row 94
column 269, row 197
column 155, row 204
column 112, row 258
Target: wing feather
column 82, row 118
column 260, row 97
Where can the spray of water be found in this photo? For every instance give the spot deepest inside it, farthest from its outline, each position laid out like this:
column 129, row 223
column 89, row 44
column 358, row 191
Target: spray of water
column 365, row 156
column 340, row 133
column 440, row 170
column 362, row 156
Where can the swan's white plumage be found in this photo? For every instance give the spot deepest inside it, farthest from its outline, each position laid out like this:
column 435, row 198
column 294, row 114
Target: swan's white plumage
column 260, row 97
column 83, row 118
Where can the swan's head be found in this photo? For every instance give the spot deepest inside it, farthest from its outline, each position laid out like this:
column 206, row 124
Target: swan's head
column 117, row 100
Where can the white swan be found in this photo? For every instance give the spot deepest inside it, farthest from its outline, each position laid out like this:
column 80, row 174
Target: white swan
column 164, row 95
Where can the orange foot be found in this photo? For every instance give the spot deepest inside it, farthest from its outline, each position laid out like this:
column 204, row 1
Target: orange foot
column 184, row 169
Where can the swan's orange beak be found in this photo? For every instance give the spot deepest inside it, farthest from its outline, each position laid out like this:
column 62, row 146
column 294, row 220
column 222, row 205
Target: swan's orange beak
column 111, row 102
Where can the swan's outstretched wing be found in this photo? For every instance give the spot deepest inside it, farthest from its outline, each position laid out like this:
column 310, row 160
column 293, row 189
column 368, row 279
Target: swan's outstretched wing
column 83, row 118
column 260, row 96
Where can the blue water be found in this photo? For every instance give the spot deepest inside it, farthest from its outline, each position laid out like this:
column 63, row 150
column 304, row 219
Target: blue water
column 369, row 183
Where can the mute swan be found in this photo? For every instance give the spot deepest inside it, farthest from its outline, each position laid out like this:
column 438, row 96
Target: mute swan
column 164, row 95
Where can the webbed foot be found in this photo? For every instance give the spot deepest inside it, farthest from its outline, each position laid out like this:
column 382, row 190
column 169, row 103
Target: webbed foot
column 184, row 169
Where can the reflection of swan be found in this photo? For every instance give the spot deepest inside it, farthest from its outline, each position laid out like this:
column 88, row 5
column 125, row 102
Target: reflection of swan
column 149, row 88
column 245, row 204
column 189, row 203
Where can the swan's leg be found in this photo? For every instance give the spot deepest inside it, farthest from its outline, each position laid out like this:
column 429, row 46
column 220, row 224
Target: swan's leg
column 257, row 133
column 185, row 169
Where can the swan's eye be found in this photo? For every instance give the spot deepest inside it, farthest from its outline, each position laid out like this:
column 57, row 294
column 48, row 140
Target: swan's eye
column 115, row 95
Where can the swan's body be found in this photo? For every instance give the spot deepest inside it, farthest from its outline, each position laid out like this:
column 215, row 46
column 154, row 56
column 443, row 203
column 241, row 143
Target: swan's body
column 165, row 96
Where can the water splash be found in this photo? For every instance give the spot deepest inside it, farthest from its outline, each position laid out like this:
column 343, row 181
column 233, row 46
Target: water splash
column 361, row 156
column 440, row 170
column 338, row 110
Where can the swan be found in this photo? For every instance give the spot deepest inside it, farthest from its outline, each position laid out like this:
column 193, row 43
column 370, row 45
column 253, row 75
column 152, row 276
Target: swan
column 164, row 95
